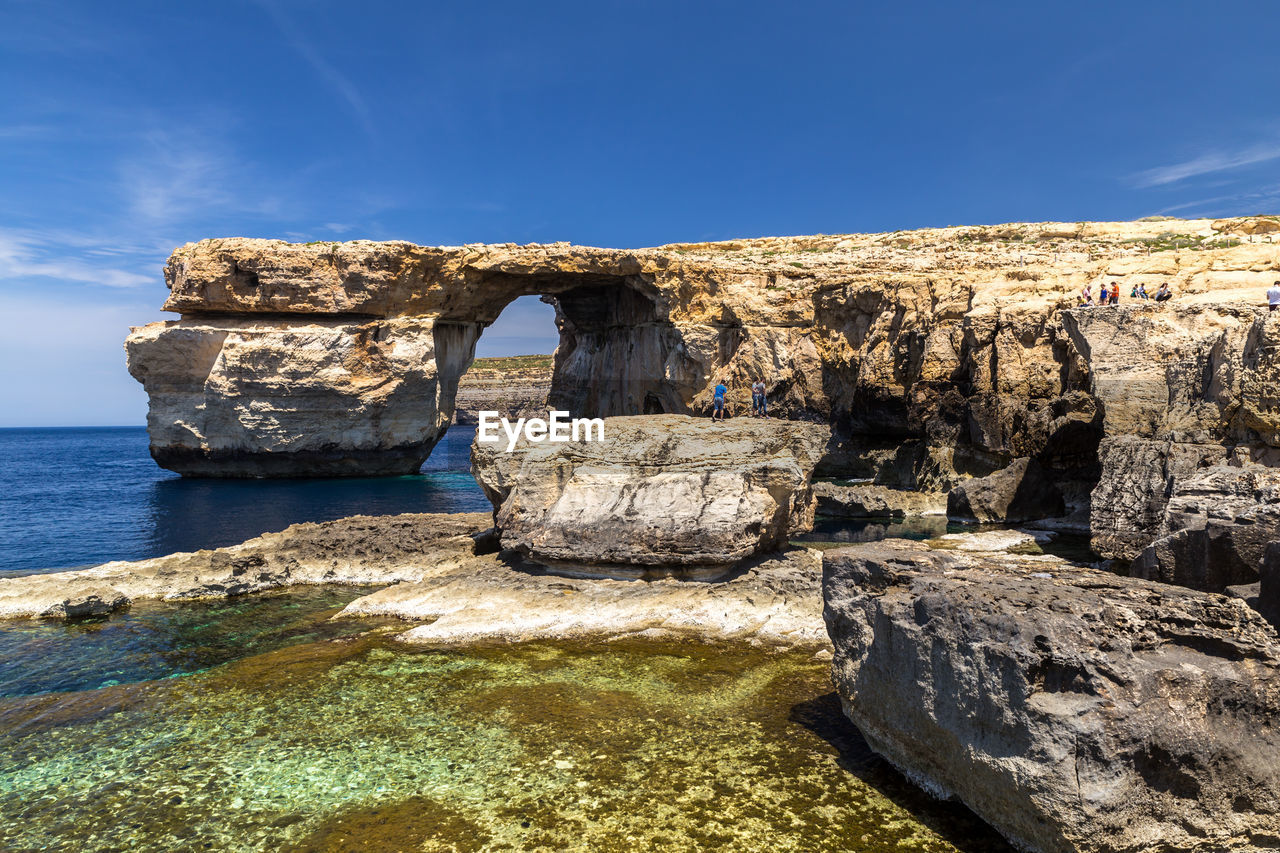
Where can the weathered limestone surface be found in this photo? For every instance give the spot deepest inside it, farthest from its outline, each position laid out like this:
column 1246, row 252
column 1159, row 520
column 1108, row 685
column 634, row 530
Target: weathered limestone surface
column 1072, row 709
column 937, row 354
column 241, row 398
column 775, row 600
column 355, row 550
column 444, row 570
column 660, row 494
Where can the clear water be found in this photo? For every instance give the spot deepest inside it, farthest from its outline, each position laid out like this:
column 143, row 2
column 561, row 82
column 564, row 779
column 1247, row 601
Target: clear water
column 157, row 639
column 359, row 743
column 80, row 496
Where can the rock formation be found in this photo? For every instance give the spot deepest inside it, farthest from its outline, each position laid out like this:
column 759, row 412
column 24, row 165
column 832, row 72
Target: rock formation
column 936, row 354
column 774, row 600
column 660, row 494
column 1181, row 389
column 445, row 570
column 870, row 501
column 355, row 550
column 1021, row 492
column 1215, row 528
column 1072, row 709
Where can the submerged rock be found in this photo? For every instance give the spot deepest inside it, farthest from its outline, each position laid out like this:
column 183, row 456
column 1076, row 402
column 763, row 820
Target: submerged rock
column 1021, row 492
column 99, row 601
column 661, row 494
column 1071, row 709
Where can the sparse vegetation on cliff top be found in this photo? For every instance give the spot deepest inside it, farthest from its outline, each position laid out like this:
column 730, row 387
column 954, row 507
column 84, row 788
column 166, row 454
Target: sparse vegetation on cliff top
column 513, row 362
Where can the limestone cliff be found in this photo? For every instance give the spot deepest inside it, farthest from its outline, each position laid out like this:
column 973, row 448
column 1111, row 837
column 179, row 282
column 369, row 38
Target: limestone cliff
column 937, row 354
column 514, row 387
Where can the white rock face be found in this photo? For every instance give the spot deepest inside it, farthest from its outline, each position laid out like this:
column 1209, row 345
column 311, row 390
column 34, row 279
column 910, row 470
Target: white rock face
column 661, row 494
column 252, row 398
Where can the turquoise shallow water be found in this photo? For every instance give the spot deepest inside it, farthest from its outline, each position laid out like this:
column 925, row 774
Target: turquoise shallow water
column 328, row 742
column 79, row 496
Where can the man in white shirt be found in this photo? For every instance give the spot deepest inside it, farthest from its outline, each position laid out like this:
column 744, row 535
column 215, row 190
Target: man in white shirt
column 1273, row 296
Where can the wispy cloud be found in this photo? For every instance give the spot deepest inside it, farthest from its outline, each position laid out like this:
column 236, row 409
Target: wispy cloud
column 172, row 177
column 34, row 254
column 1263, row 200
column 1207, row 163
column 328, row 74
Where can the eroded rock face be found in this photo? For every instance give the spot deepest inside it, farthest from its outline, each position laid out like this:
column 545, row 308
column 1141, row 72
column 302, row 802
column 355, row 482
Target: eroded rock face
column 661, row 494
column 937, row 355
column 1183, row 389
column 1071, row 709
column 1215, row 529
column 240, row 398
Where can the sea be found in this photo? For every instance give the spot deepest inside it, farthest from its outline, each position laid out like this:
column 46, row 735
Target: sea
column 79, row 496
column 264, row 723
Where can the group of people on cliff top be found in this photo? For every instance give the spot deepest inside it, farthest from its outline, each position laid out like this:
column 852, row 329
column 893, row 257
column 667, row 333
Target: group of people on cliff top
column 1111, row 296
column 720, row 409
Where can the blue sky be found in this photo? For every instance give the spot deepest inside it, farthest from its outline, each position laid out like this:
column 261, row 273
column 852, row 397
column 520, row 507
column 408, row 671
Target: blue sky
column 128, row 128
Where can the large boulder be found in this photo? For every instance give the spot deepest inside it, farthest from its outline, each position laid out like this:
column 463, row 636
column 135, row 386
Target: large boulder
column 1216, row 526
column 1072, row 709
column 660, row 494
column 1023, row 491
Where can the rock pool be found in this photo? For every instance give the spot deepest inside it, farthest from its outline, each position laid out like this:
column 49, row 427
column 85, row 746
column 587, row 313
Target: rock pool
column 256, row 725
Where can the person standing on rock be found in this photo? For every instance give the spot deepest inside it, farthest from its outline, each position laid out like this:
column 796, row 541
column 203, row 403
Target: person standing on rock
column 758, row 404
column 1115, row 293
column 1273, row 297
column 1086, row 297
column 717, row 401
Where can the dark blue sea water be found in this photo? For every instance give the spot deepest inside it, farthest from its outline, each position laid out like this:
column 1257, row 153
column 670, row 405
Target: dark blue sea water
column 79, row 496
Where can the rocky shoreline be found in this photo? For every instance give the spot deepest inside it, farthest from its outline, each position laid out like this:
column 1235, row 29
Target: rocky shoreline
column 1123, row 703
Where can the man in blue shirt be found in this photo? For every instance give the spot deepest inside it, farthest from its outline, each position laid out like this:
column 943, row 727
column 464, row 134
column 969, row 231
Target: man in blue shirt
column 717, row 412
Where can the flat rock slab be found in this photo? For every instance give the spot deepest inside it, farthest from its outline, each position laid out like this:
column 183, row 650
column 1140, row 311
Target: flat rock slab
column 1072, row 709
column 661, row 494
column 775, row 601
column 357, row 550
